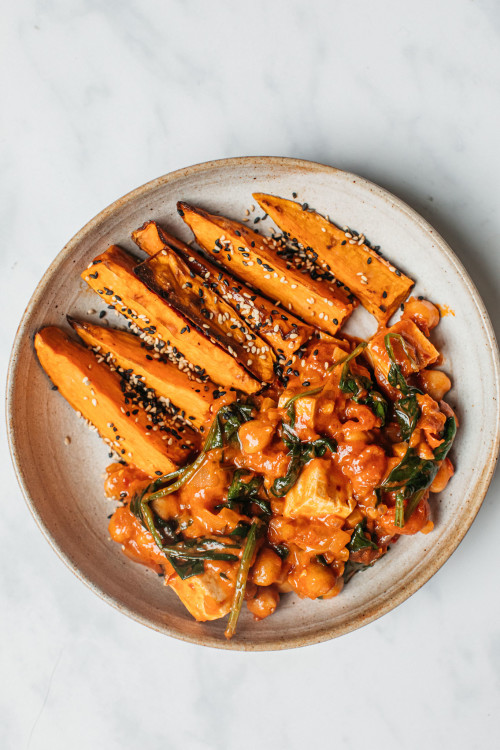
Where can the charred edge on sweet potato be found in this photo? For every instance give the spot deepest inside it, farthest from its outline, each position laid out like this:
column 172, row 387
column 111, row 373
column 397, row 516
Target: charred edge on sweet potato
column 378, row 285
column 250, row 256
column 96, row 393
column 129, row 353
column 112, row 276
column 168, row 275
column 272, row 322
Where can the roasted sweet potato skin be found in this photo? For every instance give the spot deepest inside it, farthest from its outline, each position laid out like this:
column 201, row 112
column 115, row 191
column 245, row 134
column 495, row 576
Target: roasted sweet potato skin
column 112, row 277
column 376, row 283
column 169, row 276
column 95, row 392
column 130, row 353
column 271, row 321
column 250, row 257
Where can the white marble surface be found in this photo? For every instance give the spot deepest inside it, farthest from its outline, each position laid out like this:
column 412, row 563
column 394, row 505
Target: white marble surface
column 98, row 98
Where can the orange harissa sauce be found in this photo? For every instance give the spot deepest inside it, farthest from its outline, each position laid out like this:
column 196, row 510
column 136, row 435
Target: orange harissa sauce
column 307, row 541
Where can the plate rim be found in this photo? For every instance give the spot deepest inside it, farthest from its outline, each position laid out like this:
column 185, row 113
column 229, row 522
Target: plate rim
column 370, row 613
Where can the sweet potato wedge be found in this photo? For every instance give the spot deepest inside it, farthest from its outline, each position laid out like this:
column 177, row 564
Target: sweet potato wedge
column 270, row 321
column 95, row 392
column 378, row 285
column 128, row 352
column 423, row 351
column 168, row 275
column 112, row 276
column 251, row 257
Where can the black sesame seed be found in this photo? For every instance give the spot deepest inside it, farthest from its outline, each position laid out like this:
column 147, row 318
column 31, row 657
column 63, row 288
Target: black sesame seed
column 398, row 273
column 369, row 260
column 306, row 382
column 382, row 307
column 305, row 206
column 344, row 242
column 384, row 295
column 93, row 275
column 294, row 195
column 102, row 313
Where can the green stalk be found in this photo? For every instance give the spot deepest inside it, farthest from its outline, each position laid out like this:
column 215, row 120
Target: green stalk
column 348, row 357
column 399, row 514
column 242, row 578
column 312, row 392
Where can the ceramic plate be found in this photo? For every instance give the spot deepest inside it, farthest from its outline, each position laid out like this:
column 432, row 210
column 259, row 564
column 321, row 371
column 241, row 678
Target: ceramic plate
column 62, row 483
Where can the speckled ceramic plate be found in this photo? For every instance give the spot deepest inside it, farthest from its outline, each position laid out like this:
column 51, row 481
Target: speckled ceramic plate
column 62, row 483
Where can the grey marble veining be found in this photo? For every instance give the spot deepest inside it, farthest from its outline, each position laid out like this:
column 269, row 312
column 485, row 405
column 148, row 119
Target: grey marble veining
column 98, row 98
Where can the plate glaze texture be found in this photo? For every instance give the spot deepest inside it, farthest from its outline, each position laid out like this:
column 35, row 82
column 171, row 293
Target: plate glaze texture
column 62, row 483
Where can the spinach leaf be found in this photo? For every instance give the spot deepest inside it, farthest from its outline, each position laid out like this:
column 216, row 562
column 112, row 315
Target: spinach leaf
column 247, row 492
column 406, row 409
column 280, row 549
column 300, row 454
column 449, row 432
column 413, row 476
column 187, row 558
column 243, row 490
column 361, row 388
column 352, row 567
column 359, row 540
column 241, row 530
column 407, row 413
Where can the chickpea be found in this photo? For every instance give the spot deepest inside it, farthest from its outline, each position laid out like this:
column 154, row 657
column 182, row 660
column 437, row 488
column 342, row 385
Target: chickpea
column 423, row 313
column 166, row 507
column 256, row 435
column 312, row 581
column 121, row 525
column 264, row 603
column 445, row 472
column 267, row 568
column 435, row 383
